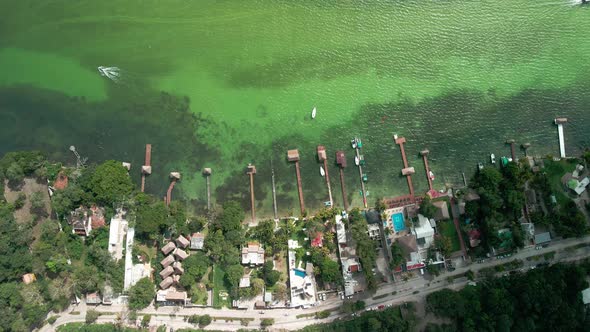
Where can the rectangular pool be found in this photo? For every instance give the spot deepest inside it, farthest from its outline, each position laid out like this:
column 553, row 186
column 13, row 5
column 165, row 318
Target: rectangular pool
column 299, row 273
column 398, row 221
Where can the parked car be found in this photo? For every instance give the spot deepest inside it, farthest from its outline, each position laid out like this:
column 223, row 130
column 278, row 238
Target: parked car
column 381, row 307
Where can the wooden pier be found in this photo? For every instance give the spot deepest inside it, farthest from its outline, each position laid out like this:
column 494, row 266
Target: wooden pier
column 251, row 170
column 293, row 155
column 512, row 149
column 207, row 175
column 559, row 122
column 323, row 158
column 341, row 162
column 146, row 169
column 424, row 153
column 407, row 171
column 358, row 155
column 274, row 192
column 174, row 177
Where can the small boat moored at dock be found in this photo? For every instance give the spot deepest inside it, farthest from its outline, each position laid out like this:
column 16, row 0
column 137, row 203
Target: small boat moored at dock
column 493, row 158
column 313, row 112
column 431, row 175
column 322, row 171
column 356, row 160
column 353, row 143
column 365, row 179
column 479, row 166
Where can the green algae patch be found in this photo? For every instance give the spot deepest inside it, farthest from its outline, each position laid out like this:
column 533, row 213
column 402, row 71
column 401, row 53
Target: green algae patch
column 51, row 72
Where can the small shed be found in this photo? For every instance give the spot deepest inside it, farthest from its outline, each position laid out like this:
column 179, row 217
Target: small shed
column 340, row 159
column 321, row 153
column 293, row 155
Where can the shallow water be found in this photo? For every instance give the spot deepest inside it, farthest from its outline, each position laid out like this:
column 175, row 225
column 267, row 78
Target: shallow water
column 456, row 77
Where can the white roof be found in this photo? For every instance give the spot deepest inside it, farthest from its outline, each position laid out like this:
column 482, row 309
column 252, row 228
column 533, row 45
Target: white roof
column 586, row 296
column 114, row 231
column 423, row 228
column 340, row 229
column 582, row 186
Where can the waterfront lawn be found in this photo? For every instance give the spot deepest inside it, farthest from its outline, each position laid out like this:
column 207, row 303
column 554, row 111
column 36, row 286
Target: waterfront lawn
column 555, row 170
column 219, row 288
column 447, row 228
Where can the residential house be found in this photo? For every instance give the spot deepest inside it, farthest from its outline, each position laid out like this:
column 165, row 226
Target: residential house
column 81, row 223
column 171, row 296
column 182, row 242
column 96, row 217
column 167, row 261
column 178, row 268
column 170, row 246
column 166, row 272
column 253, row 254
column 197, row 241
column 374, row 232
column 117, row 231
column 93, row 299
column 180, row 254
column 474, row 237
column 542, row 238
column 424, row 232
column 167, row 282
column 409, row 246
column 578, row 186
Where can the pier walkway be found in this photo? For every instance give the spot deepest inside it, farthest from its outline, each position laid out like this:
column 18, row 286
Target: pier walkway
column 407, row 171
column 559, row 122
column 358, row 155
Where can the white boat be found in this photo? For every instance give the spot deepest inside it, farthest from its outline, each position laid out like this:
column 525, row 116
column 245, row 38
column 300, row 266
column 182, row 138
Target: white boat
column 356, row 160
column 322, row 171
column 112, row 73
column 353, row 143
column 480, row 166
column 313, row 112
column 493, row 158
column 431, row 175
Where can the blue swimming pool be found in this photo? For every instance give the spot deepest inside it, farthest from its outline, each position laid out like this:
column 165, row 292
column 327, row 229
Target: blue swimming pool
column 398, row 221
column 299, row 273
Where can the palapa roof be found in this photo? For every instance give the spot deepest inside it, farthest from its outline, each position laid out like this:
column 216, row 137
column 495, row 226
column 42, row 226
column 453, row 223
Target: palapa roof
column 182, row 242
column 167, row 261
column 180, row 254
column 170, row 246
column 167, row 271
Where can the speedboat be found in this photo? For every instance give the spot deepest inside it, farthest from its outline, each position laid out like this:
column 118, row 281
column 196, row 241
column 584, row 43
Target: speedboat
column 493, row 158
column 431, row 175
column 353, row 143
column 479, row 166
column 112, row 73
column 322, row 171
column 313, row 112
column 356, row 160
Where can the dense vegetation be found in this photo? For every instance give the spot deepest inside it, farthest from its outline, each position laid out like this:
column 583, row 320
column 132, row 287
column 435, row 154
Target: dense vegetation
column 389, row 319
column 365, row 247
column 544, row 299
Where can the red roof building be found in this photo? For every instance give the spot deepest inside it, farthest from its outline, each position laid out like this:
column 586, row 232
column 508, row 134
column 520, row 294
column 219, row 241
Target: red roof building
column 61, row 182
column 318, row 240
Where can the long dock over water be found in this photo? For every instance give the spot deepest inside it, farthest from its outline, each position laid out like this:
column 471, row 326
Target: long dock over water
column 559, row 122
column 322, row 157
column 407, row 170
column 358, row 155
column 341, row 162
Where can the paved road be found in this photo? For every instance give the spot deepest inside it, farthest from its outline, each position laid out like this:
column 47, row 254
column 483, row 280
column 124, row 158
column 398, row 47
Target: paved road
column 286, row 318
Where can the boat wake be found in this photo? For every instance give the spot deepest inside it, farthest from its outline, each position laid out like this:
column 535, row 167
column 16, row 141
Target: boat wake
column 112, row 73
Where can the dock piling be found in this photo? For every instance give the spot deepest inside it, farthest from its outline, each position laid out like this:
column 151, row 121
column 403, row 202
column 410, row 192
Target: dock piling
column 207, row 175
column 407, row 171
column 424, row 153
column 251, row 170
column 293, row 155
column 341, row 162
column 146, row 169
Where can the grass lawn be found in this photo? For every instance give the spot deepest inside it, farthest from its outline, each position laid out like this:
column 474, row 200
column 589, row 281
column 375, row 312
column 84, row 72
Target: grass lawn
column 555, row 170
column 219, row 287
column 447, row 228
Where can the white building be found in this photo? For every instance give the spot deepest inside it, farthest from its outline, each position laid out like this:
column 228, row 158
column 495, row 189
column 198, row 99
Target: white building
column 253, row 254
column 424, row 232
column 117, row 231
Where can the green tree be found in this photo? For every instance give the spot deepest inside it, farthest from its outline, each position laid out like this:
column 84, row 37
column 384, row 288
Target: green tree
column 443, row 244
column 195, row 266
column 397, row 255
column 91, row 316
column 257, row 286
column 427, row 209
column 264, row 231
column 266, row 322
column 37, row 201
column 280, row 292
column 215, row 244
column 204, row 320
column 331, row 271
column 141, row 294
column 15, row 174
column 151, row 219
column 86, row 279
column 270, row 275
column 110, row 183
column 233, row 274
column 145, row 321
